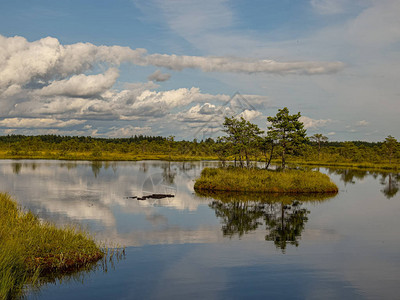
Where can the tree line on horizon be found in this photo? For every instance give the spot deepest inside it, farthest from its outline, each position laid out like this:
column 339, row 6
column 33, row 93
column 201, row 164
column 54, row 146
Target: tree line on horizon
column 244, row 142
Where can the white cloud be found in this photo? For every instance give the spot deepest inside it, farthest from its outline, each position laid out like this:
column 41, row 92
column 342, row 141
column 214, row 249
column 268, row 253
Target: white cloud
column 331, row 133
column 45, row 78
column 81, row 85
column 250, row 114
column 312, row 123
column 241, row 65
column 23, row 62
column 209, row 117
column 128, row 131
column 205, row 113
column 159, row 76
column 41, row 62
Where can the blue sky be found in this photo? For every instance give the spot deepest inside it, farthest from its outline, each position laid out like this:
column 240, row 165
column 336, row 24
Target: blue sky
column 120, row 68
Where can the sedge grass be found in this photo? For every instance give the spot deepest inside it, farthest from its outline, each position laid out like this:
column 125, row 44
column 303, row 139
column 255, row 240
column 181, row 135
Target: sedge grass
column 264, row 181
column 30, row 248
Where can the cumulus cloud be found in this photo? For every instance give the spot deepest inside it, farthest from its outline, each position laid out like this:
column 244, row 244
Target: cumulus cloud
column 81, row 85
column 312, row 123
column 213, row 115
column 42, row 61
column 47, row 85
column 205, row 113
column 250, row 114
column 38, row 62
column 159, row 76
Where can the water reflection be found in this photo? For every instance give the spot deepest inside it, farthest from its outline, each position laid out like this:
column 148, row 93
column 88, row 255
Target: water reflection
column 390, row 181
column 96, row 167
column 194, row 244
column 282, row 215
column 391, row 184
column 95, row 195
column 285, row 223
column 16, row 167
column 349, row 175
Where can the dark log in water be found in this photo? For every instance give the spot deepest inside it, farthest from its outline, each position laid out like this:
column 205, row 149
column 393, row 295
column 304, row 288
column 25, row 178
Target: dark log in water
column 152, row 196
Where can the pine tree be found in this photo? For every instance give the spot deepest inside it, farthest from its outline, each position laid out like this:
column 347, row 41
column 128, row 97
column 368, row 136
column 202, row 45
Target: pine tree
column 287, row 131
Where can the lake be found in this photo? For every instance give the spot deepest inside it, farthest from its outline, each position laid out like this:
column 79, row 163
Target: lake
column 221, row 247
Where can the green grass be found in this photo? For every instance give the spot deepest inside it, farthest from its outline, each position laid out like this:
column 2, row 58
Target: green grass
column 30, row 249
column 264, row 181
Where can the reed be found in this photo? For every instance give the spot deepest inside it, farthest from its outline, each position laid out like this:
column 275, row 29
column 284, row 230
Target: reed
column 264, row 181
column 30, row 248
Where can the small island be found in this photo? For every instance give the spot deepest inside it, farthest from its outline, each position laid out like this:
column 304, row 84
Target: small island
column 264, row 181
column 289, row 133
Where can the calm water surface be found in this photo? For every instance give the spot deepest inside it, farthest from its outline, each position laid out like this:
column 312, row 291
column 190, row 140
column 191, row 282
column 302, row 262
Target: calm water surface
column 190, row 246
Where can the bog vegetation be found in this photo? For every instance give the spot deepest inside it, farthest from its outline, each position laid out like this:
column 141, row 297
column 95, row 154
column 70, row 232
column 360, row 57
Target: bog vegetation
column 261, row 181
column 31, row 249
column 283, row 142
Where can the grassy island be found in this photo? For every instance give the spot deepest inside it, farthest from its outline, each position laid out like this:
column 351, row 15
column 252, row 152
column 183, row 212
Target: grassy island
column 264, row 181
column 31, row 248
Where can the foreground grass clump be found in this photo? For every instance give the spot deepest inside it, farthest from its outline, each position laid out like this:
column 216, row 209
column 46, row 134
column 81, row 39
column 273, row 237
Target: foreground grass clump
column 30, row 248
column 264, row 181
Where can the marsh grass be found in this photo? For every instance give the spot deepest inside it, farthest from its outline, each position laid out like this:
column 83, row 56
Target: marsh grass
column 31, row 249
column 103, row 156
column 264, row 181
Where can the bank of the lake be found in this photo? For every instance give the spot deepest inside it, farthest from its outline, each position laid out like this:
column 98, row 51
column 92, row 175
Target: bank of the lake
column 103, row 156
column 31, row 248
column 264, row 181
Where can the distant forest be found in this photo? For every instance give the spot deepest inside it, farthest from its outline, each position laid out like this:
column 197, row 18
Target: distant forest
column 157, row 147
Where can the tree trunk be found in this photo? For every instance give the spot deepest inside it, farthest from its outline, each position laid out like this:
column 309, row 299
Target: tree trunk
column 247, row 159
column 270, row 157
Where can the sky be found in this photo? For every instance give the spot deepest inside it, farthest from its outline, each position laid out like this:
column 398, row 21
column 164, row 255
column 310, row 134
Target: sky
column 120, row 68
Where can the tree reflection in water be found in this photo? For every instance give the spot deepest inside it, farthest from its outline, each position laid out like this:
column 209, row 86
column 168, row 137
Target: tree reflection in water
column 349, row 175
column 390, row 181
column 239, row 217
column 391, row 184
column 283, row 216
column 285, row 223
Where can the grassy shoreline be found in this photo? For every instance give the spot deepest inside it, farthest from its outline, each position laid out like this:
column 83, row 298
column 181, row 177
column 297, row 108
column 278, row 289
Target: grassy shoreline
column 116, row 156
column 31, row 248
column 105, row 156
column 263, row 181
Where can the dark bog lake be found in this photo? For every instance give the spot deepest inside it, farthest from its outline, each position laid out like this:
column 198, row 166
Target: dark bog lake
column 189, row 246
